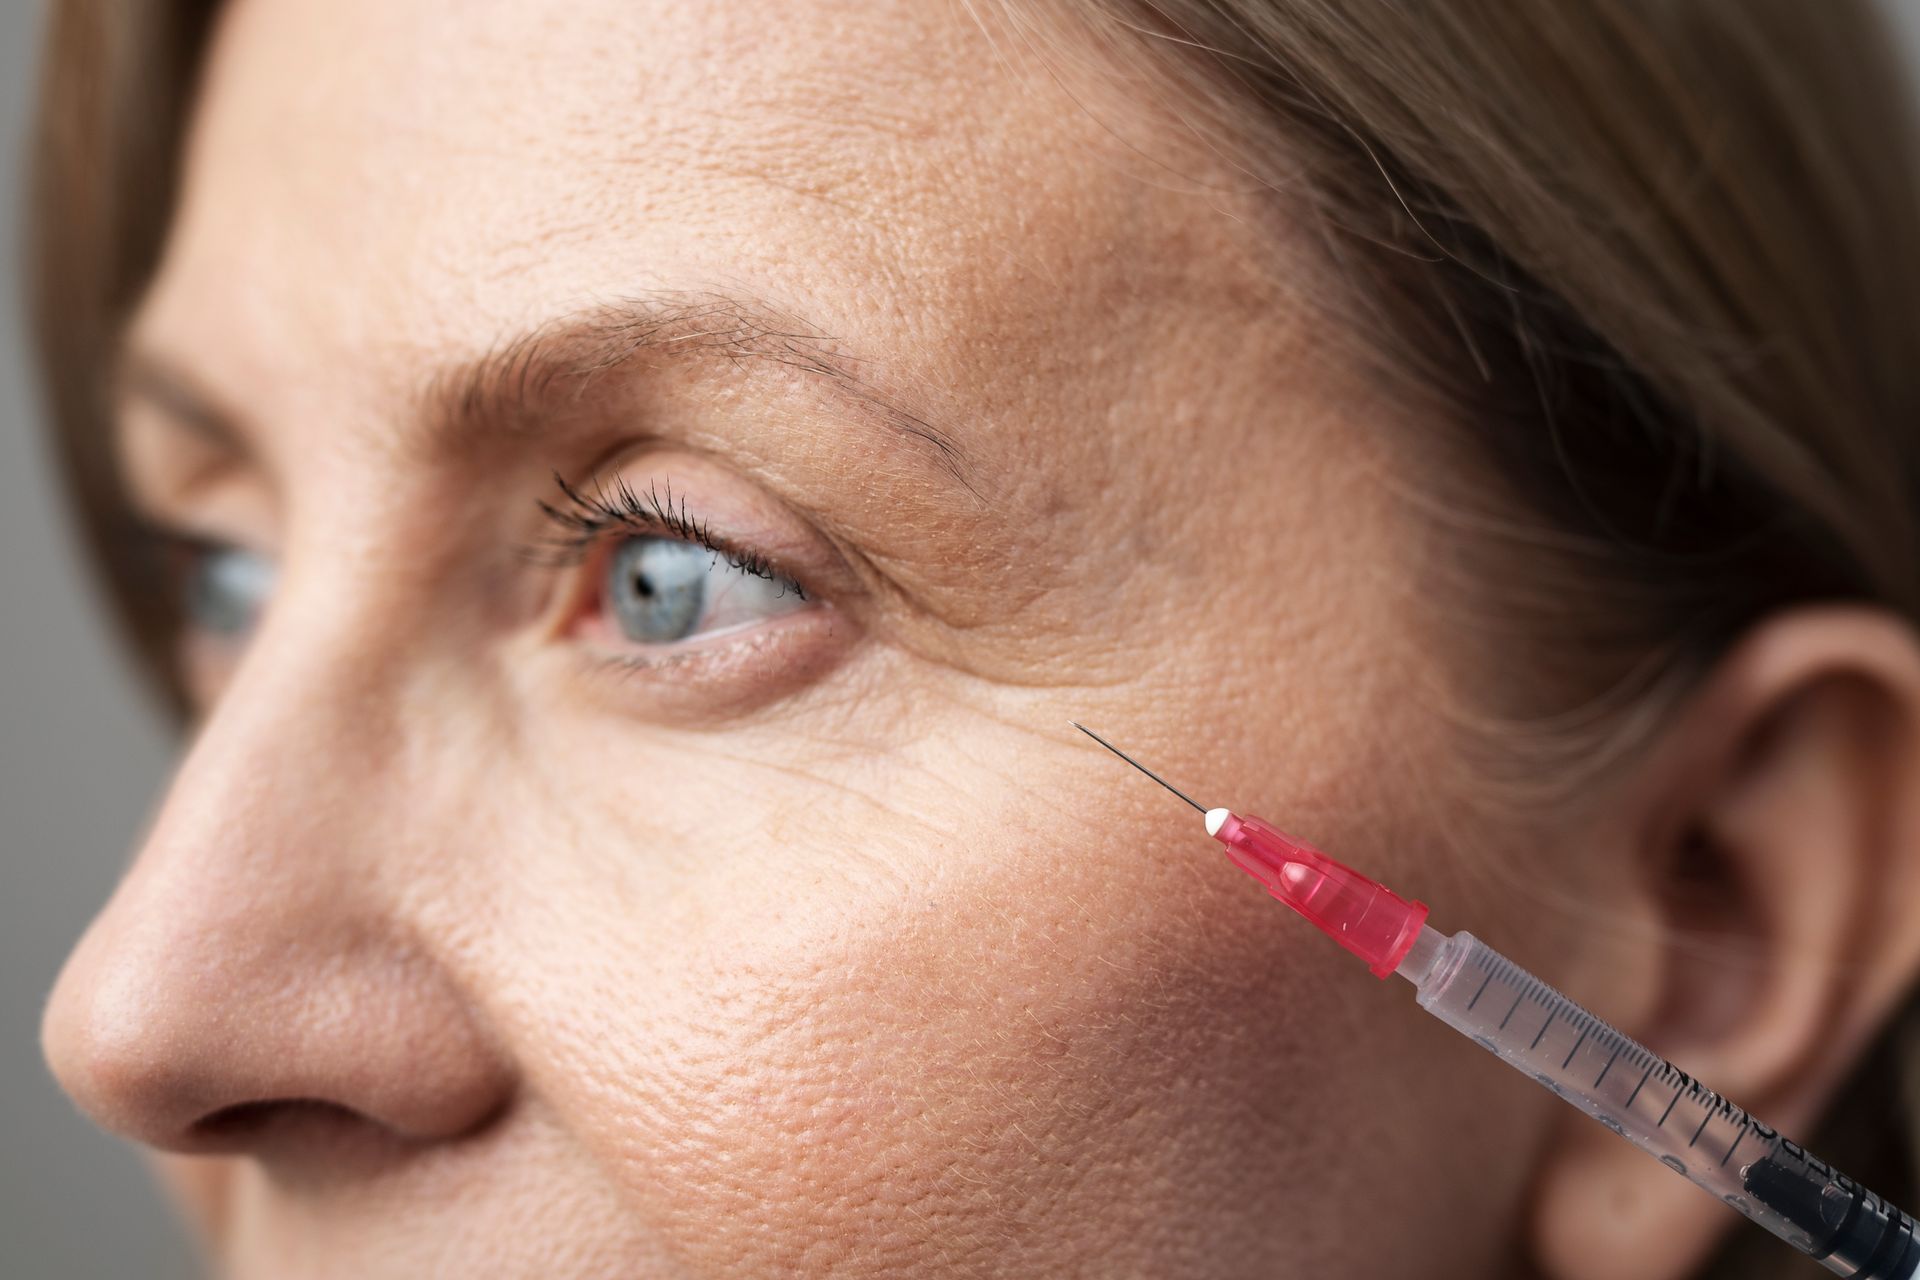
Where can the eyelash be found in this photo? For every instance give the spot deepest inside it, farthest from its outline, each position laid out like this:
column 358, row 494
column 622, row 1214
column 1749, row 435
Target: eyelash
column 583, row 519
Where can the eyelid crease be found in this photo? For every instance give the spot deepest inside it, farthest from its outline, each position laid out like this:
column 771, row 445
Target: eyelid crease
column 586, row 517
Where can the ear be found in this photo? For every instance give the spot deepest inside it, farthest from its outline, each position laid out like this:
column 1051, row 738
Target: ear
column 1777, row 823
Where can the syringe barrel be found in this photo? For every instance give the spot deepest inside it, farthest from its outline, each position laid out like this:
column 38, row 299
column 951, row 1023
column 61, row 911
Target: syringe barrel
column 1660, row 1109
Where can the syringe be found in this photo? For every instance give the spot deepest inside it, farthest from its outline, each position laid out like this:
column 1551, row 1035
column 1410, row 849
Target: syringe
column 1534, row 1029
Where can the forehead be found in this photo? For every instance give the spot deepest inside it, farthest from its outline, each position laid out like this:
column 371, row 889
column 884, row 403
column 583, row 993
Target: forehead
column 367, row 180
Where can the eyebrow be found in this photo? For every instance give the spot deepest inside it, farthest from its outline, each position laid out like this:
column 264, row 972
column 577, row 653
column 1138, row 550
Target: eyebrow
column 513, row 386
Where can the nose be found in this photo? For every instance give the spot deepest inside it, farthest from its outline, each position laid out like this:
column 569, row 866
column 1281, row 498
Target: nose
column 254, row 985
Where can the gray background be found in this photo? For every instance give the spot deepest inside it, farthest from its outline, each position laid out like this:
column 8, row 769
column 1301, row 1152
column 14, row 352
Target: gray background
column 81, row 763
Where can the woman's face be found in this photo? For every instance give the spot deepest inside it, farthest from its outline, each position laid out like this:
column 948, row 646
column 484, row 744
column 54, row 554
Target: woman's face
column 547, row 893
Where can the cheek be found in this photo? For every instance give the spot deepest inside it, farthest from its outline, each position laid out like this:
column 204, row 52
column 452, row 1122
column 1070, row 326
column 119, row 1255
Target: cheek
column 1023, row 1050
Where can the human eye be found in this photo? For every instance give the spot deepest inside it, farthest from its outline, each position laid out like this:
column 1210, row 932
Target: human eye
column 218, row 592
column 220, row 589
column 657, row 576
column 662, row 590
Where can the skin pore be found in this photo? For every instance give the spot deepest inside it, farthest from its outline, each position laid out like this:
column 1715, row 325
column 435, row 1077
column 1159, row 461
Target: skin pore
column 475, row 938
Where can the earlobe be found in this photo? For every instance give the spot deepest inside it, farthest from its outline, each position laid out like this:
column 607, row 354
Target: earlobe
column 1784, row 853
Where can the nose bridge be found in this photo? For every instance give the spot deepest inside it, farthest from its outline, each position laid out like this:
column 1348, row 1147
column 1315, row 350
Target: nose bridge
column 279, row 795
column 257, row 952
column 311, row 710
column 296, row 732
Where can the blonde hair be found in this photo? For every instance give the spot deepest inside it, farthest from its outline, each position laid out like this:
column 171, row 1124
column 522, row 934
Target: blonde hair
column 1651, row 263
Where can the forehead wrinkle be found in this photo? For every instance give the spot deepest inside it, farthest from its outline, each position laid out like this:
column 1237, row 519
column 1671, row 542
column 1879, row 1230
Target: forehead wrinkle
column 559, row 363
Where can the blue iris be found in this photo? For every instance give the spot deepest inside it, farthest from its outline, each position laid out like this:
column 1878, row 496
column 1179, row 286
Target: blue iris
column 657, row 588
column 226, row 590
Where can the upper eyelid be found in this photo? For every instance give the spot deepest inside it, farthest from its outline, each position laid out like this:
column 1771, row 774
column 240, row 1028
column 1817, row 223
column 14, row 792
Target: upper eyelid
column 163, row 464
column 626, row 506
column 590, row 513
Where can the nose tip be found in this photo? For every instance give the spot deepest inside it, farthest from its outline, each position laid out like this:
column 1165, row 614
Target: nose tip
column 276, row 966
column 184, row 1053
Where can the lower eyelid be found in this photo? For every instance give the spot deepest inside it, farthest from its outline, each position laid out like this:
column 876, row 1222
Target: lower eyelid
column 605, row 643
column 704, row 682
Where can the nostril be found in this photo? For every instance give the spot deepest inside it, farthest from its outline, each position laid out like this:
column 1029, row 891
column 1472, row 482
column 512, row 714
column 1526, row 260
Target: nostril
column 245, row 1122
column 247, row 1036
column 309, row 1129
